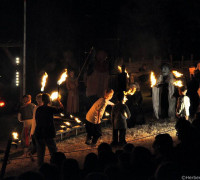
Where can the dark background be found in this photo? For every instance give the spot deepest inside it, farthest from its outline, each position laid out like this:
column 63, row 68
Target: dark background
column 61, row 32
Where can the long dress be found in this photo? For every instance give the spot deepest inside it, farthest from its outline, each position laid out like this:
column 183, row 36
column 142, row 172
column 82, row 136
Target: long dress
column 163, row 97
column 73, row 96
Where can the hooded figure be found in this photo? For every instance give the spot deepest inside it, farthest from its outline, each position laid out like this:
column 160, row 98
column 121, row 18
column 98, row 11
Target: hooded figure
column 163, row 95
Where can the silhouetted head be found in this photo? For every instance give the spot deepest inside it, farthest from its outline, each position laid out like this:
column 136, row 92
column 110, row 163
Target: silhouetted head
column 163, row 143
column 128, row 148
column 104, row 147
column 90, row 162
column 46, row 98
column 120, row 96
column 49, row 171
column 57, row 159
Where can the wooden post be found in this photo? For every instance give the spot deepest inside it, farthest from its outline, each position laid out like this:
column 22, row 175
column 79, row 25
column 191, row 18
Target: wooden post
column 6, row 156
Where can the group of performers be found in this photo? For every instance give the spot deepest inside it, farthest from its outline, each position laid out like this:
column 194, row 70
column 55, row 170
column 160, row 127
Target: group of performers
column 166, row 105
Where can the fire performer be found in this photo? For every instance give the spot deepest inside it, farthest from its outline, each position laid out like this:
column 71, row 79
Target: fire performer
column 183, row 104
column 25, row 115
column 73, row 96
column 163, row 95
column 94, row 115
column 45, row 130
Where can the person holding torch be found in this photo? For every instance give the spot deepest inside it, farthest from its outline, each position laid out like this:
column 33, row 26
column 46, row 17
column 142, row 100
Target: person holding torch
column 45, row 130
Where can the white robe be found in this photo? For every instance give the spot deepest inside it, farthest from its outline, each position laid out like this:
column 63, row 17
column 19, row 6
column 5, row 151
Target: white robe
column 156, row 96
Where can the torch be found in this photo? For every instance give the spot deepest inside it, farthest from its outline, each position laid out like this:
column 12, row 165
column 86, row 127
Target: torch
column 13, row 136
column 44, row 80
column 62, row 79
column 120, row 70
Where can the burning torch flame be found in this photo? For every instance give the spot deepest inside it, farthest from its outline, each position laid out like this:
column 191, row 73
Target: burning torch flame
column 153, row 79
column 120, row 70
column 177, row 74
column 15, row 135
column 131, row 91
column 68, row 123
column 62, row 77
column 54, row 95
column 107, row 114
column 71, row 116
column 178, row 83
column 125, row 99
column 44, row 80
column 61, row 114
column 77, row 120
column 62, row 126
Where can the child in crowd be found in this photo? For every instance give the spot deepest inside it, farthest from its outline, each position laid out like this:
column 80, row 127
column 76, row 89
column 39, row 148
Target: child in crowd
column 183, row 104
column 120, row 113
column 94, row 115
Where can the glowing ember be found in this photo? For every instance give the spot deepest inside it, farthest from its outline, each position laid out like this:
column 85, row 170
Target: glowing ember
column 71, row 116
column 54, row 95
column 2, row 104
column 178, row 83
column 15, row 135
column 44, row 80
column 61, row 114
column 125, row 99
column 62, row 126
column 153, row 79
column 125, row 114
column 68, row 123
column 120, row 70
column 131, row 91
column 107, row 114
column 77, row 120
column 62, row 77
column 177, row 74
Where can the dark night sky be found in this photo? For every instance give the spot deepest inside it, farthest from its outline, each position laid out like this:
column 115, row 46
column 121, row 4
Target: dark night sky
column 130, row 28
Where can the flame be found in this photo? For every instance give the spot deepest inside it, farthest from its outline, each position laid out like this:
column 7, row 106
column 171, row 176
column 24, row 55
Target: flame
column 54, row 95
column 44, row 80
column 107, row 114
column 15, row 135
column 2, row 104
column 71, row 116
column 61, row 114
column 153, row 79
column 131, row 91
column 68, row 123
column 77, row 120
column 177, row 74
column 62, row 126
column 125, row 114
column 120, row 70
column 62, row 77
column 178, row 83
column 125, row 99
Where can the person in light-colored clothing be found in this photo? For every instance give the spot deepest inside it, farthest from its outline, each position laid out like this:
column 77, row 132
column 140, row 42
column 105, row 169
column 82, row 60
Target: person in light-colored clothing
column 94, row 115
column 25, row 115
column 183, row 104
